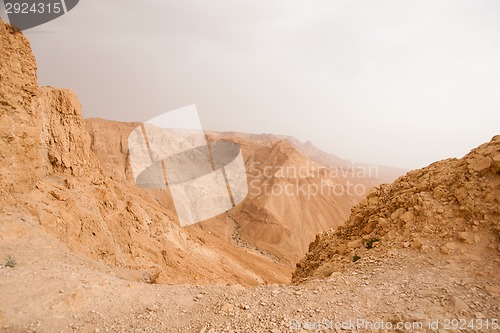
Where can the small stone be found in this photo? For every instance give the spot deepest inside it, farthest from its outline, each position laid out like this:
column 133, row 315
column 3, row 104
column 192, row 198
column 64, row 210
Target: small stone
column 448, row 248
column 341, row 249
column 407, row 217
column 496, row 163
column 383, row 223
column 416, row 244
column 373, row 201
column 227, row 307
column 237, row 288
column 479, row 315
column 480, row 165
column 355, row 243
column 439, row 192
column 494, row 291
column 466, row 237
column 458, row 305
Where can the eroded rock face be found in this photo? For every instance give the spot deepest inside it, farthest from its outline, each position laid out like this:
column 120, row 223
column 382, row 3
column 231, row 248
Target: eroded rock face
column 73, row 177
column 50, row 173
column 42, row 129
column 65, row 141
column 447, row 205
column 19, row 121
column 278, row 222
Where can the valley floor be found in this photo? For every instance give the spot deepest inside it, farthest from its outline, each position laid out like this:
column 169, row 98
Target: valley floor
column 50, row 289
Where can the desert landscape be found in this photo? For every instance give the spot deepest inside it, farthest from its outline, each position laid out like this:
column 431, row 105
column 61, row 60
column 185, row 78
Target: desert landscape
column 375, row 248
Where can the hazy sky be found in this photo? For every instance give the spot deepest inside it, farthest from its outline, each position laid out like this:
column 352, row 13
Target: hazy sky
column 401, row 83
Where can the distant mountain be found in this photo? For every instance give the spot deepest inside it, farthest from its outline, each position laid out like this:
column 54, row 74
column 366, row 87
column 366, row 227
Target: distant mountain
column 72, row 176
column 384, row 174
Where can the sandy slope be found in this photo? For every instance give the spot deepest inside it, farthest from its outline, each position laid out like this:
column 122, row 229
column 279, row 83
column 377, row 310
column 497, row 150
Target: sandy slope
column 54, row 290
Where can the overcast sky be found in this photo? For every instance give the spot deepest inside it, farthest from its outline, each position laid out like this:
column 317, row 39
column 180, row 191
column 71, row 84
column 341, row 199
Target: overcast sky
column 400, row 83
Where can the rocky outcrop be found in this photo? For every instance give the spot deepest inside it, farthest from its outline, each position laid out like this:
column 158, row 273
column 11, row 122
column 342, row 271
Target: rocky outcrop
column 65, row 141
column 73, row 177
column 269, row 220
column 41, row 128
column 19, row 122
column 438, row 208
column 50, row 173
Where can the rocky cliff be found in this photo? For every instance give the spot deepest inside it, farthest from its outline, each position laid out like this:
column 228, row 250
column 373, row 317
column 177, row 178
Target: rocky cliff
column 450, row 208
column 73, row 178
column 50, row 173
column 291, row 197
